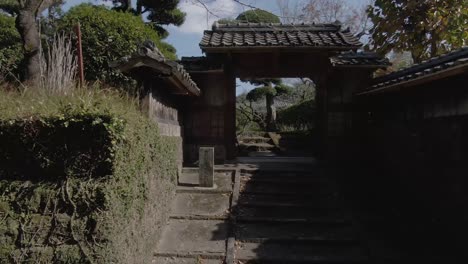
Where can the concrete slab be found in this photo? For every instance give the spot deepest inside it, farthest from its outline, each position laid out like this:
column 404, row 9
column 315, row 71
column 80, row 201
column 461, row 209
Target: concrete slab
column 176, row 260
column 189, row 181
column 200, row 204
column 207, row 237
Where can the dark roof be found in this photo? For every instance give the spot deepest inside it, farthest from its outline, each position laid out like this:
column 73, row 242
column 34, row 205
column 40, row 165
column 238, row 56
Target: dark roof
column 174, row 74
column 248, row 35
column 359, row 59
column 435, row 68
column 201, row 64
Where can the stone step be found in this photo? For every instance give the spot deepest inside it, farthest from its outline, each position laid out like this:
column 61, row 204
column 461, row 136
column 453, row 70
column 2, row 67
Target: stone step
column 286, row 188
column 187, row 238
column 278, row 174
column 189, row 182
column 262, row 154
column 200, row 204
column 328, row 221
column 186, row 260
column 298, row 252
column 256, row 146
column 300, row 179
column 287, row 212
column 287, row 201
column 254, row 139
column 320, row 233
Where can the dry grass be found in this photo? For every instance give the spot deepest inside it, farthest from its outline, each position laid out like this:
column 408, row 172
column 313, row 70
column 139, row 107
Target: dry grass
column 59, row 67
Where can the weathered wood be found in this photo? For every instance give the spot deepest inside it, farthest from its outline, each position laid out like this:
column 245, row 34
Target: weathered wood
column 206, row 166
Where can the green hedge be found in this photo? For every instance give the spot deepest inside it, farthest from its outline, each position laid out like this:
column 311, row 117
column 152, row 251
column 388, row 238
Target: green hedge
column 85, row 178
column 298, row 117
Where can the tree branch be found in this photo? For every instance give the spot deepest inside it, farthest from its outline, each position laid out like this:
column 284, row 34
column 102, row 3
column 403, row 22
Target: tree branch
column 206, row 8
column 244, row 4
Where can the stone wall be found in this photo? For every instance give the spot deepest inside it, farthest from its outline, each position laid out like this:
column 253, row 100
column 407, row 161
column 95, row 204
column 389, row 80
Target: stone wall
column 61, row 209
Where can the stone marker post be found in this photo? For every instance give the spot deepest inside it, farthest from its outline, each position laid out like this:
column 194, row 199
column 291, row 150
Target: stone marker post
column 206, row 166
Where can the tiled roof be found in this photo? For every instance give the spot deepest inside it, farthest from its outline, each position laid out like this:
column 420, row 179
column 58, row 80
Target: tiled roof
column 359, row 59
column 248, row 35
column 434, row 67
column 150, row 57
column 200, row 64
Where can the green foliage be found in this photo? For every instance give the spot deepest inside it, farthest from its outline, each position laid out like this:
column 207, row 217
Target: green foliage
column 268, row 90
column 11, row 53
column 426, row 28
column 10, row 7
column 260, row 92
column 101, row 216
column 282, row 89
column 258, row 16
column 160, row 13
column 299, row 116
column 108, row 35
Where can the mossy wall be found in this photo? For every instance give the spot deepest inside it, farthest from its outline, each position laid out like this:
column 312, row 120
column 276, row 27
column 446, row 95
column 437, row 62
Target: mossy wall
column 89, row 181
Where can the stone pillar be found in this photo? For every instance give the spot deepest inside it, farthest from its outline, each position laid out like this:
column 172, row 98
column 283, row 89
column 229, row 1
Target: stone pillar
column 206, row 166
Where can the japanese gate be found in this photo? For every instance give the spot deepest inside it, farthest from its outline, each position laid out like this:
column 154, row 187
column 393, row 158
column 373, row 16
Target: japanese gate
column 324, row 53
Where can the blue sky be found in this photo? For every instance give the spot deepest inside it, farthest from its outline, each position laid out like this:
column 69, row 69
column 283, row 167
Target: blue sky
column 186, row 37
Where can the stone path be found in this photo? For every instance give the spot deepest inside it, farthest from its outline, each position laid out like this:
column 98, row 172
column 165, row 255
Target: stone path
column 265, row 210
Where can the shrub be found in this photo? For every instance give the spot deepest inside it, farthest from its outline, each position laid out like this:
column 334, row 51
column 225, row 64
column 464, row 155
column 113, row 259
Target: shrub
column 258, row 16
column 299, row 117
column 108, row 35
column 11, row 53
column 89, row 179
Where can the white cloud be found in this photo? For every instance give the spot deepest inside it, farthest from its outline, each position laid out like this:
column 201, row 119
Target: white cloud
column 199, row 19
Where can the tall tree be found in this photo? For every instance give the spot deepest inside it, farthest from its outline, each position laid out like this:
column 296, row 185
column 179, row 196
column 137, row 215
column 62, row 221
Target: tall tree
column 268, row 89
column 109, row 35
column 26, row 13
column 158, row 12
column 425, row 28
column 258, row 16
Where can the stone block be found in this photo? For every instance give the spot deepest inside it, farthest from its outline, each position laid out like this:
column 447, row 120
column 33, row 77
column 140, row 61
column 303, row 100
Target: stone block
column 207, row 237
column 201, row 204
column 206, row 167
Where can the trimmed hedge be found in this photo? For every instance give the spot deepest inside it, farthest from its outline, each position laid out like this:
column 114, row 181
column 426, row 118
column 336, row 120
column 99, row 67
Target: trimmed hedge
column 85, row 178
column 299, row 117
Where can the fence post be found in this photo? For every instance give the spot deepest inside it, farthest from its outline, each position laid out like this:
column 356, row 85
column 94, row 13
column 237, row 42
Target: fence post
column 80, row 55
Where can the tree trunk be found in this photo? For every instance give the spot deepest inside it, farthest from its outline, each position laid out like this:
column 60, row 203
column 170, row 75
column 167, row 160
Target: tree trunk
column 28, row 29
column 139, row 7
column 126, row 5
column 271, row 113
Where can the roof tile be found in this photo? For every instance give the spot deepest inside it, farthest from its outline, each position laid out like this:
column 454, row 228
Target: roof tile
column 431, row 66
column 273, row 35
column 361, row 59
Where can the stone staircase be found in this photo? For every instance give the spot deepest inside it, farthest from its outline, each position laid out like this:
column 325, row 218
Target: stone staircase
column 257, row 146
column 287, row 216
column 264, row 210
